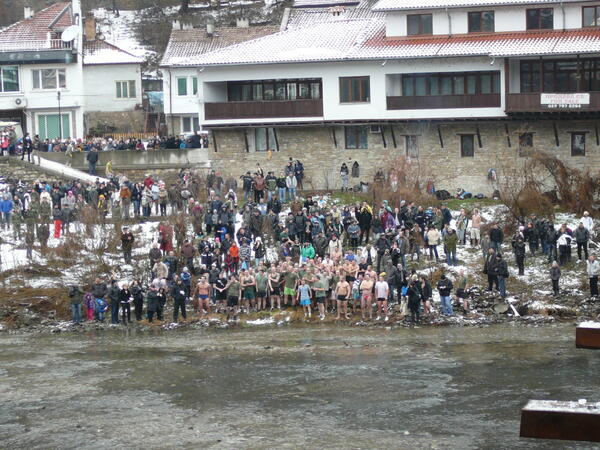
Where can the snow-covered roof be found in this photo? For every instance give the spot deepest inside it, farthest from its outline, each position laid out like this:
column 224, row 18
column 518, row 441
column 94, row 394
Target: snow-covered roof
column 399, row 5
column 186, row 44
column 54, row 18
column 101, row 52
column 323, row 3
column 364, row 39
column 309, row 16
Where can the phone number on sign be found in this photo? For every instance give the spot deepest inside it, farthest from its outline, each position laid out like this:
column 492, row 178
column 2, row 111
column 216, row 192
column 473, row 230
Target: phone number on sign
column 563, row 105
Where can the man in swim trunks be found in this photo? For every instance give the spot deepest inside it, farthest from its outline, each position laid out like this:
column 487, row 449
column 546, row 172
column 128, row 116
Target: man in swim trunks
column 202, row 290
column 342, row 292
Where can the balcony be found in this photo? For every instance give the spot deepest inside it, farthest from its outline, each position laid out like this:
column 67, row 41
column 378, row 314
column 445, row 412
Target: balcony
column 263, row 109
column 564, row 102
column 444, row 101
column 34, row 45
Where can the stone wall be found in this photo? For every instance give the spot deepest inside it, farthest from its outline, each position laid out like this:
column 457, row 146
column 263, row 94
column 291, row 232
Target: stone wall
column 316, row 148
column 117, row 122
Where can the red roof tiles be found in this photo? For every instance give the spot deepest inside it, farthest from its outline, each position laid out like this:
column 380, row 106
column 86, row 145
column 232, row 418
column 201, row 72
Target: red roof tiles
column 54, row 18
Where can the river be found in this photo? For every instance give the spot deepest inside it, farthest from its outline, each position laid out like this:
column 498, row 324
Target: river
column 289, row 387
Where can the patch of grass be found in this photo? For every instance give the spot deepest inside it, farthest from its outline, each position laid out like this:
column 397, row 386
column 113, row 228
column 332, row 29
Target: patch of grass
column 470, row 203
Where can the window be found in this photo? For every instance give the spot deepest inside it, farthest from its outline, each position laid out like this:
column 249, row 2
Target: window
column 525, row 144
column 264, row 139
column 182, row 86
column 470, row 83
column 467, row 145
column 530, row 76
column 49, row 79
column 126, row 89
column 481, row 21
column 9, row 79
column 419, row 24
column 356, row 136
column 354, row 89
column 190, row 124
column 412, row 149
column 591, row 16
column 265, row 90
column 577, row 144
column 194, row 85
column 50, row 127
column 540, row 19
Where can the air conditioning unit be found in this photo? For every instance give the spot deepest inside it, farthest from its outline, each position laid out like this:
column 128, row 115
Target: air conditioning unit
column 20, row 102
column 376, row 129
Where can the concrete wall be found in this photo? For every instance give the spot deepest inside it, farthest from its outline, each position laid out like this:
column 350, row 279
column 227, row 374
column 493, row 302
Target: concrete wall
column 506, row 18
column 100, row 85
column 376, row 108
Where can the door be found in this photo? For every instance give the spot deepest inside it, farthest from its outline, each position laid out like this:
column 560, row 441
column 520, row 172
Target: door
column 49, row 126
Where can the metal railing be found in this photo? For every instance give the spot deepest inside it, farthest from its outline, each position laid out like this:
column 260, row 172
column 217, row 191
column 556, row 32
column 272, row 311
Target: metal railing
column 33, row 45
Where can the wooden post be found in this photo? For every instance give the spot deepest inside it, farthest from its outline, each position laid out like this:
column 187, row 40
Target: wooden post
column 587, row 335
column 549, row 419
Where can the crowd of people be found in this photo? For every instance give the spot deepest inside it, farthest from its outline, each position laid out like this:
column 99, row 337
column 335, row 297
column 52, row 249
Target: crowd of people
column 12, row 145
column 274, row 250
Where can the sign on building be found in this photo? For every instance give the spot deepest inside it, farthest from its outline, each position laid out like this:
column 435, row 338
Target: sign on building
column 565, row 100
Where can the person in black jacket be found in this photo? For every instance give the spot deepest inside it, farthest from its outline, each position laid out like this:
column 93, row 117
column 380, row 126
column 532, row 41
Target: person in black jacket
column 426, row 293
column 113, row 295
column 496, row 237
column 414, row 302
column 582, row 236
column 127, row 244
column 501, row 270
column 445, row 287
column 138, row 299
column 125, row 300
column 153, row 302
column 179, row 296
column 489, row 268
column 518, row 245
column 92, row 159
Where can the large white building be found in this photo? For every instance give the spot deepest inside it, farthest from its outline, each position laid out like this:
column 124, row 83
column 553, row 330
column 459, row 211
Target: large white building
column 471, row 83
column 50, row 85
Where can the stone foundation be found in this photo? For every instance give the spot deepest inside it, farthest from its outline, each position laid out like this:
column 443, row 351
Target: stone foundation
column 322, row 158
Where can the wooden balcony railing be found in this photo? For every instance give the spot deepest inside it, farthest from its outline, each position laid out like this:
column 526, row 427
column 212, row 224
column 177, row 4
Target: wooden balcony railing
column 444, row 101
column 532, row 102
column 263, row 109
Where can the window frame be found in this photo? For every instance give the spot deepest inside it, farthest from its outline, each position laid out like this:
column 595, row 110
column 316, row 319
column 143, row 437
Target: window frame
column 57, row 78
column 464, row 154
column 414, row 139
column 289, row 89
column 572, row 141
column 525, row 149
column 194, row 122
column 596, row 9
column 435, row 82
column 346, row 85
column 421, row 31
column 481, row 13
column 128, row 84
column 539, row 19
column 2, row 69
column 269, row 138
column 357, row 132
column 179, row 90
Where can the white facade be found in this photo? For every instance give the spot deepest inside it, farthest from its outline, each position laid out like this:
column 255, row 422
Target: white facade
column 101, row 90
column 182, row 98
column 507, row 18
column 381, row 86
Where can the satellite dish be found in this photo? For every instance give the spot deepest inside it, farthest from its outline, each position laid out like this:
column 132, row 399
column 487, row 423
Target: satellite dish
column 70, row 33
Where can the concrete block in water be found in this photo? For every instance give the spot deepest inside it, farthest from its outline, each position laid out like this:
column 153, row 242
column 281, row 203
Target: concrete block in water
column 587, row 335
column 550, row 419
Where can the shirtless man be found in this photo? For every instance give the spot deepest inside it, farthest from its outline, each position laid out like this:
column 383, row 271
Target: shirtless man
column 342, row 292
column 366, row 296
column 247, row 281
column 202, row 290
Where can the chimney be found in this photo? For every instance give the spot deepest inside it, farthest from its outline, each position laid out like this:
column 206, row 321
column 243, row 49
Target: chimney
column 210, row 28
column 89, row 27
column 28, row 12
column 242, row 23
column 176, row 25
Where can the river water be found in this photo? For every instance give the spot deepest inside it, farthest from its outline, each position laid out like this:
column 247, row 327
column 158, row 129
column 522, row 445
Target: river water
column 291, row 387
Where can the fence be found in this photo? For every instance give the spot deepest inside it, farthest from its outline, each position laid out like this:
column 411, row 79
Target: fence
column 124, row 136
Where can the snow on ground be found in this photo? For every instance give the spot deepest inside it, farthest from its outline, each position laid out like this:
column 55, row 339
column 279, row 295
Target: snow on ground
column 65, row 171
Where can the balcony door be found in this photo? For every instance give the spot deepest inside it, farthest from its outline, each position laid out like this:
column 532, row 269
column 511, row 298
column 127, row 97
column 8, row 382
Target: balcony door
column 49, row 126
